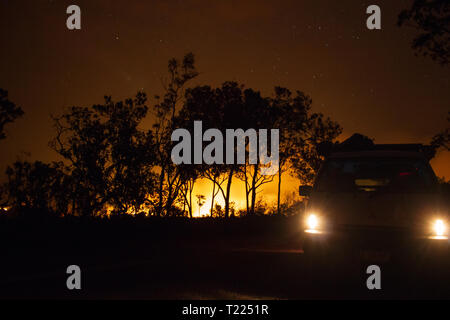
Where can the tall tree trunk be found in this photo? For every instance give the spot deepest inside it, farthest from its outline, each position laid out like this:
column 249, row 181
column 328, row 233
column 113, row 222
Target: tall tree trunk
column 246, row 189
column 173, row 189
column 227, row 198
column 190, row 201
column 213, row 196
column 255, row 173
column 169, row 200
column 279, row 188
column 160, row 191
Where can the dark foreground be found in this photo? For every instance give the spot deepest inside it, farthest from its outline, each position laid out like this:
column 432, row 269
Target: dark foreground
column 178, row 259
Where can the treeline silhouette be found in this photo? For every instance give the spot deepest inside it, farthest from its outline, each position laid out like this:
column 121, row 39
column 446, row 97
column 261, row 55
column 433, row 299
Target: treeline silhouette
column 113, row 166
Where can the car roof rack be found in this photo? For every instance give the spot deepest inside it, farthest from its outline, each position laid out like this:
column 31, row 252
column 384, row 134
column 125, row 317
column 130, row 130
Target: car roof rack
column 411, row 147
column 358, row 143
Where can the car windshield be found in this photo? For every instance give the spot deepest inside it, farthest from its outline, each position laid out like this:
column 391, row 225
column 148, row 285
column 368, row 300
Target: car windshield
column 375, row 174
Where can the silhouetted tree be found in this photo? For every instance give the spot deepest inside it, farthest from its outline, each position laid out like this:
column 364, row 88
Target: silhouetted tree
column 38, row 186
column 165, row 111
column 132, row 153
column 110, row 159
column 200, row 202
column 233, row 107
column 258, row 114
column 442, row 139
column 291, row 119
column 432, row 19
column 308, row 157
column 219, row 108
column 218, row 211
column 189, row 174
column 81, row 139
column 8, row 112
column 202, row 103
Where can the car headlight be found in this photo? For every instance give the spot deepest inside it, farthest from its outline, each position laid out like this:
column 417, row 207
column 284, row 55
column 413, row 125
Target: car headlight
column 439, row 228
column 312, row 221
column 312, row 224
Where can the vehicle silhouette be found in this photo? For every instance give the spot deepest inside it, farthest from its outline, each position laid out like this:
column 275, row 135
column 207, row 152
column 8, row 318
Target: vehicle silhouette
column 375, row 201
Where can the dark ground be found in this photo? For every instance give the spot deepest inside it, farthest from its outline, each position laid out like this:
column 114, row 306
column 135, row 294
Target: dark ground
column 259, row 258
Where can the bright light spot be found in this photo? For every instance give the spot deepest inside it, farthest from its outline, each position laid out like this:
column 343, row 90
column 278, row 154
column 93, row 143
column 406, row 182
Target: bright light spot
column 312, row 222
column 438, row 238
column 439, row 228
column 313, row 231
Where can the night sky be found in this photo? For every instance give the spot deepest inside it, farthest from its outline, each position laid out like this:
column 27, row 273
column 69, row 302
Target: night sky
column 369, row 81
